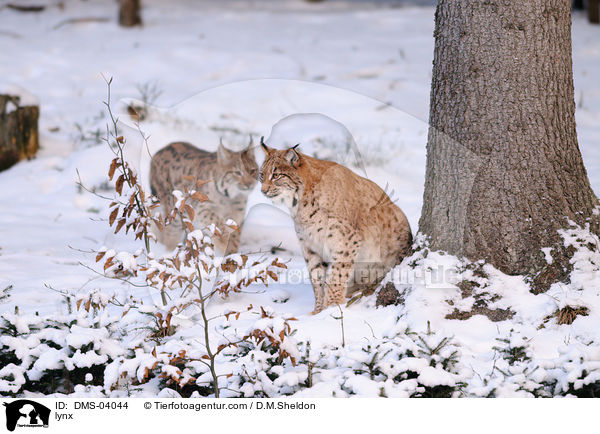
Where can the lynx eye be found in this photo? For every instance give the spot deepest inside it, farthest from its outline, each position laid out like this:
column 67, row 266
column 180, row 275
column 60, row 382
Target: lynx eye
column 276, row 175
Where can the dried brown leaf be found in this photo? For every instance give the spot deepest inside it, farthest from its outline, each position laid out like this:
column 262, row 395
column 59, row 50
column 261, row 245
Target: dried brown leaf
column 120, row 225
column 109, row 262
column 200, row 196
column 190, row 212
column 113, row 216
column 112, row 168
column 119, row 184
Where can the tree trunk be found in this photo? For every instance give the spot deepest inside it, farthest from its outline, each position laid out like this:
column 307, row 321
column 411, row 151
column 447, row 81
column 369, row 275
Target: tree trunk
column 504, row 171
column 593, row 11
column 129, row 13
column 18, row 131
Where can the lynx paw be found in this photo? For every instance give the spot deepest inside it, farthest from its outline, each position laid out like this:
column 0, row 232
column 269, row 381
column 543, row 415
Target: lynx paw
column 318, row 309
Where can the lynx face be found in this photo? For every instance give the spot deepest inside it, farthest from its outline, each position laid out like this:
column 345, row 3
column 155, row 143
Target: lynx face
column 237, row 171
column 280, row 178
column 232, row 176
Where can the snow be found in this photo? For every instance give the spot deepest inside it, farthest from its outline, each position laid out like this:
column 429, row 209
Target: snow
column 347, row 81
column 547, row 251
column 49, row 359
column 26, row 98
column 430, row 376
column 81, row 336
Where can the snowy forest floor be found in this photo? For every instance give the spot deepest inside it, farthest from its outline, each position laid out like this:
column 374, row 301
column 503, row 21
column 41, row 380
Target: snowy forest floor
column 348, row 81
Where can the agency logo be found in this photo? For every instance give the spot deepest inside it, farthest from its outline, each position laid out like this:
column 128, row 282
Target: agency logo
column 26, row 413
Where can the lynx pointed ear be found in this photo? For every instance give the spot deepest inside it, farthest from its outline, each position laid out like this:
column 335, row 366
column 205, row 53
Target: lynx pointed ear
column 265, row 148
column 249, row 151
column 223, row 154
column 292, row 156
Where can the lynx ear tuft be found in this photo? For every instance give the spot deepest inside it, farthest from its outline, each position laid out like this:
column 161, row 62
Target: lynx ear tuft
column 264, row 147
column 249, row 151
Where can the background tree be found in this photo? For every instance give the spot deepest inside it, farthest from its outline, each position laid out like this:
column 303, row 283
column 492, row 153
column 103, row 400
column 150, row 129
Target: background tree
column 593, row 7
column 504, row 170
column 129, row 13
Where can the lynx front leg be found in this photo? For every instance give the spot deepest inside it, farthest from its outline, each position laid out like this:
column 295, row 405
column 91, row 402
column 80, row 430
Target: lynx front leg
column 342, row 267
column 317, row 269
column 337, row 279
column 171, row 235
column 232, row 236
column 230, row 240
column 227, row 241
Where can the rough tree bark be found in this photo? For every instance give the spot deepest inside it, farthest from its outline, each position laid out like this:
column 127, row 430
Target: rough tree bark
column 129, row 13
column 504, row 171
column 18, row 131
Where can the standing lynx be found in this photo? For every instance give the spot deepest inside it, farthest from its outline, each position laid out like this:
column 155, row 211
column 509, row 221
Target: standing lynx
column 350, row 231
column 232, row 175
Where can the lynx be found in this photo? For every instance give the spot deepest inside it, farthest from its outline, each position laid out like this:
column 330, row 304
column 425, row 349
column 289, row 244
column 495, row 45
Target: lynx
column 351, row 233
column 233, row 176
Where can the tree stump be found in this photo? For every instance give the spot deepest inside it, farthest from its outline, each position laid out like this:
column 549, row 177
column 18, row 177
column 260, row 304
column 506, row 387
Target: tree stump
column 129, row 13
column 18, row 130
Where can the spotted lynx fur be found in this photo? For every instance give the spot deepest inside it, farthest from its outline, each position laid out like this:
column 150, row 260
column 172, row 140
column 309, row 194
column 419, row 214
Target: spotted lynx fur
column 351, row 233
column 232, row 175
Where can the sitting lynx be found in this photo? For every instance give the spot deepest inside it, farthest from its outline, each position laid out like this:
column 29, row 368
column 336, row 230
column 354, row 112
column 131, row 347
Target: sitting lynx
column 233, row 176
column 350, row 231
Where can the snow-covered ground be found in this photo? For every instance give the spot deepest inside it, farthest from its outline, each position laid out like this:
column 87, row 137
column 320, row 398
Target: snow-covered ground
column 347, row 80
